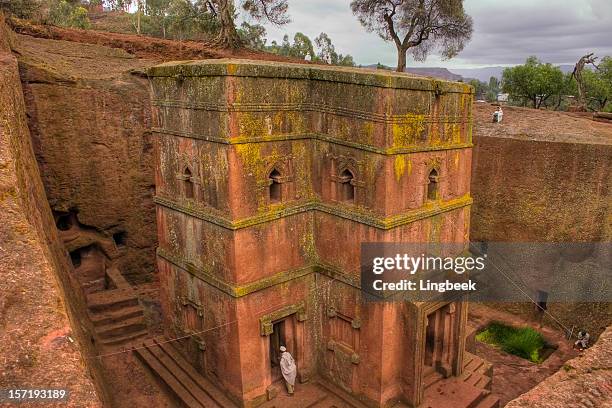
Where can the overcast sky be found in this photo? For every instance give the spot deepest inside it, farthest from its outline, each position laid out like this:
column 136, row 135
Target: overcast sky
column 505, row 31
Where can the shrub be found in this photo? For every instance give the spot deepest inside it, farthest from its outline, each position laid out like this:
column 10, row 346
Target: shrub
column 66, row 14
column 524, row 342
column 20, row 8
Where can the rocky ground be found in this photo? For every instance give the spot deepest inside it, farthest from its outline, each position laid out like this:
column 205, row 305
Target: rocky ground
column 513, row 375
column 540, row 125
column 584, row 382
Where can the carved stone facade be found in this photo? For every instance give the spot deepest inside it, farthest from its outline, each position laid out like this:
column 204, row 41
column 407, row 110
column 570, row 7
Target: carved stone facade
column 292, row 167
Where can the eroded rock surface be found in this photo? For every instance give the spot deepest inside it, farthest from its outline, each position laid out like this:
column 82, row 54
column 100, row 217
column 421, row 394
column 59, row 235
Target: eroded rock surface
column 38, row 347
column 89, row 118
column 585, row 381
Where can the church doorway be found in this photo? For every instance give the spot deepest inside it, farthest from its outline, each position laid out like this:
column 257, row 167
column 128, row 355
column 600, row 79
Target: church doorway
column 439, row 339
column 283, row 334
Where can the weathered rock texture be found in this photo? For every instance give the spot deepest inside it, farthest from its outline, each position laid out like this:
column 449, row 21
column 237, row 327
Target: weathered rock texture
column 89, row 119
column 36, row 298
column 269, row 176
column 544, row 177
column 584, row 382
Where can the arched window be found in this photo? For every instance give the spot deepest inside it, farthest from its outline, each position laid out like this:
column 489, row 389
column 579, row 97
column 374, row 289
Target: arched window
column 275, row 186
column 188, row 183
column 347, row 189
column 432, row 185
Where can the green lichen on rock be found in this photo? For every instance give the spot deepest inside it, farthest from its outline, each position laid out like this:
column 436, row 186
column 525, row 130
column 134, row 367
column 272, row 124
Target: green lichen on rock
column 308, row 246
column 401, row 165
column 407, row 129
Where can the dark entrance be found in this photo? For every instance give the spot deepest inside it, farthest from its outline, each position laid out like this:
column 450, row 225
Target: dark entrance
column 440, row 341
column 277, row 339
column 430, row 340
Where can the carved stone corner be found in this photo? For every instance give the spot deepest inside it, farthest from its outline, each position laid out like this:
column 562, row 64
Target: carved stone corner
column 356, row 323
column 266, row 328
column 271, row 392
column 331, row 345
column 355, row 359
column 304, row 377
column 331, row 312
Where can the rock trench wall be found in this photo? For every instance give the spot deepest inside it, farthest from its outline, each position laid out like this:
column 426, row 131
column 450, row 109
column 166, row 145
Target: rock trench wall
column 544, row 191
column 37, row 298
column 89, row 119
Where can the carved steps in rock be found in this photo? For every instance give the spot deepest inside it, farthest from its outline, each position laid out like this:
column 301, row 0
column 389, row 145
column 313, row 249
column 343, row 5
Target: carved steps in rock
column 111, row 316
column 478, row 381
column 431, row 377
column 125, row 339
column 120, row 328
column 186, row 383
column 112, row 299
column 490, row 401
column 117, row 316
column 470, row 390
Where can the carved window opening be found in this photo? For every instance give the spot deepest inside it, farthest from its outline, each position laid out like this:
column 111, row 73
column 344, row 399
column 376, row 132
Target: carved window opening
column 64, row 222
column 541, row 299
column 432, row 185
column 188, row 183
column 75, row 257
column 347, row 186
column 275, row 186
column 120, row 239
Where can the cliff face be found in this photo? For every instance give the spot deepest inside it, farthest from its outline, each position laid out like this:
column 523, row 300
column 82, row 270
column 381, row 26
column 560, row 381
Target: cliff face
column 543, row 176
column 540, row 176
column 36, row 298
column 584, row 381
column 89, row 118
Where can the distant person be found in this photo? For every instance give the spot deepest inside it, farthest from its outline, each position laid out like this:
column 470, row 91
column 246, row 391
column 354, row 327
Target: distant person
column 498, row 115
column 288, row 368
column 583, row 340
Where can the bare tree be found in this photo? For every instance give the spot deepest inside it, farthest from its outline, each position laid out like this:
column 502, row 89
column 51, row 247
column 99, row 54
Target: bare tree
column 418, row 26
column 273, row 11
column 582, row 62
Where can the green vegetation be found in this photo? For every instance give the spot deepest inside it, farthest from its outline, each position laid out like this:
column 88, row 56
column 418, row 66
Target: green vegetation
column 198, row 20
column 598, row 84
column 418, row 27
column 486, row 91
column 20, row 8
column 68, row 14
column 524, row 342
column 541, row 85
column 533, row 82
column 303, row 48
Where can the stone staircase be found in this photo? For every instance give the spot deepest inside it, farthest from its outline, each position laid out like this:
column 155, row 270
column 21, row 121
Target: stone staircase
column 193, row 389
column 117, row 316
column 470, row 390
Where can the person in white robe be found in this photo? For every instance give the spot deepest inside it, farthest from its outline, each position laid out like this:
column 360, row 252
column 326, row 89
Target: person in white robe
column 288, row 369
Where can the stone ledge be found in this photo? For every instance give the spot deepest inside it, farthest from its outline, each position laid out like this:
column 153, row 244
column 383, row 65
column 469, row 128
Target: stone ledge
column 353, row 214
column 398, row 119
column 390, row 151
column 239, row 290
column 277, row 70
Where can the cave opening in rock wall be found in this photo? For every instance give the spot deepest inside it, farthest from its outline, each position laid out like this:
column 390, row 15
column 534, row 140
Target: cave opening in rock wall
column 120, row 239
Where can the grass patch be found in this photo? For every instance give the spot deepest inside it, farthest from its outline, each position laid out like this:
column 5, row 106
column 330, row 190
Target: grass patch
column 524, row 342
